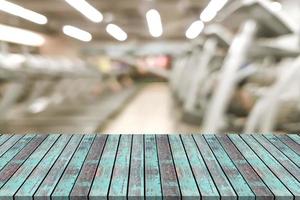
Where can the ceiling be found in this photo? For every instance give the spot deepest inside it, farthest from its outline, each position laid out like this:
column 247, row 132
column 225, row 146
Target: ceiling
column 176, row 16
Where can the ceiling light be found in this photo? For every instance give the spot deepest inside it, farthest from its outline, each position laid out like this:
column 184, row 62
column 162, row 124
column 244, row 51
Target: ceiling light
column 154, row 23
column 24, row 13
column 86, row 9
column 194, row 30
column 77, row 33
column 276, row 6
column 20, row 36
column 211, row 10
column 116, row 32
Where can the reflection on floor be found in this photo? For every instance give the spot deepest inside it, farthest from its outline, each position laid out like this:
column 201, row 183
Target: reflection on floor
column 151, row 111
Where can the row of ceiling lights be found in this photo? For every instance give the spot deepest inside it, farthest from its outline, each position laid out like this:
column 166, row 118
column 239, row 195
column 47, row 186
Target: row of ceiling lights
column 152, row 16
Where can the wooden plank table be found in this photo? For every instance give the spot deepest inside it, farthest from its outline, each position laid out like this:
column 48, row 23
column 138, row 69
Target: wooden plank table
column 246, row 167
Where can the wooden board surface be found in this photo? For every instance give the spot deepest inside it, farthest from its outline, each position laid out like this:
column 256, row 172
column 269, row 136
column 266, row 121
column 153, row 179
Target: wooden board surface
column 245, row 167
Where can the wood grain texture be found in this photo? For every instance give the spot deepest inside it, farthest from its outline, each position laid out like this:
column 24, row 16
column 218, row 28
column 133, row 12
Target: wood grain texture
column 291, row 143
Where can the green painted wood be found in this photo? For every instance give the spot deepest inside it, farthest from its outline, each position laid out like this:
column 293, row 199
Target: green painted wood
column 224, row 187
column 48, row 185
column 136, row 179
column 8, row 171
column 8, row 155
column 291, row 143
column 84, row 181
column 284, row 149
column 169, row 182
column 274, row 184
column 9, row 143
column 205, row 182
column 239, row 184
column 285, row 177
column 120, row 177
column 279, row 156
column 256, row 184
column 15, row 181
column 100, row 186
column 4, row 138
column 32, row 183
column 68, row 179
column 295, row 137
column 187, row 183
column 152, row 174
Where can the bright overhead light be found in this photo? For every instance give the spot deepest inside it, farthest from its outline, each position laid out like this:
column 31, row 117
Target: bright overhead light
column 24, row 13
column 211, row 10
column 194, row 30
column 154, row 23
column 276, row 6
column 116, row 32
column 77, row 33
column 20, row 36
column 86, row 9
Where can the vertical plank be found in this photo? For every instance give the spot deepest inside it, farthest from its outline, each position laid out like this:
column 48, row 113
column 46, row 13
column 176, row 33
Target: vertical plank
column 286, row 178
column 291, row 143
column 225, row 189
column 256, row 184
column 136, row 176
column 205, row 182
column 65, row 184
column 19, row 159
column 47, row 186
column 188, row 185
column 295, row 137
column 9, row 143
column 40, row 172
column 17, row 179
column 84, row 181
column 102, row 178
column 8, row 155
column 280, row 157
column 238, row 182
column 152, row 175
column 169, row 182
column 4, row 138
column 120, row 176
column 284, row 149
column 275, row 185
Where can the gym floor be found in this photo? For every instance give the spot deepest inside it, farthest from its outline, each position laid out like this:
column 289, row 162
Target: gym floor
column 152, row 110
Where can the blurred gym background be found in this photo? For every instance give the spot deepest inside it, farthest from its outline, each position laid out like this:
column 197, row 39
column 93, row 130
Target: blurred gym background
column 149, row 66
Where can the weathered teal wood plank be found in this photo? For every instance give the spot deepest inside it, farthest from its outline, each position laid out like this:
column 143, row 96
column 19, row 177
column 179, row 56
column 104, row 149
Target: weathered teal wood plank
column 280, row 157
column 9, row 143
column 187, row 183
column 152, row 175
column 237, row 181
column 136, row 179
column 8, row 155
column 169, row 182
column 11, row 167
column 65, row 184
column 284, row 149
column 48, row 185
column 295, row 137
column 256, row 184
column 225, row 189
column 286, row 178
column 120, row 176
column 205, row 182
column 274, row 184
column 291, row 143
column 4, row 138
column 15, row 181
column 84, row 181
column 102, row 178
column 40, row 172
